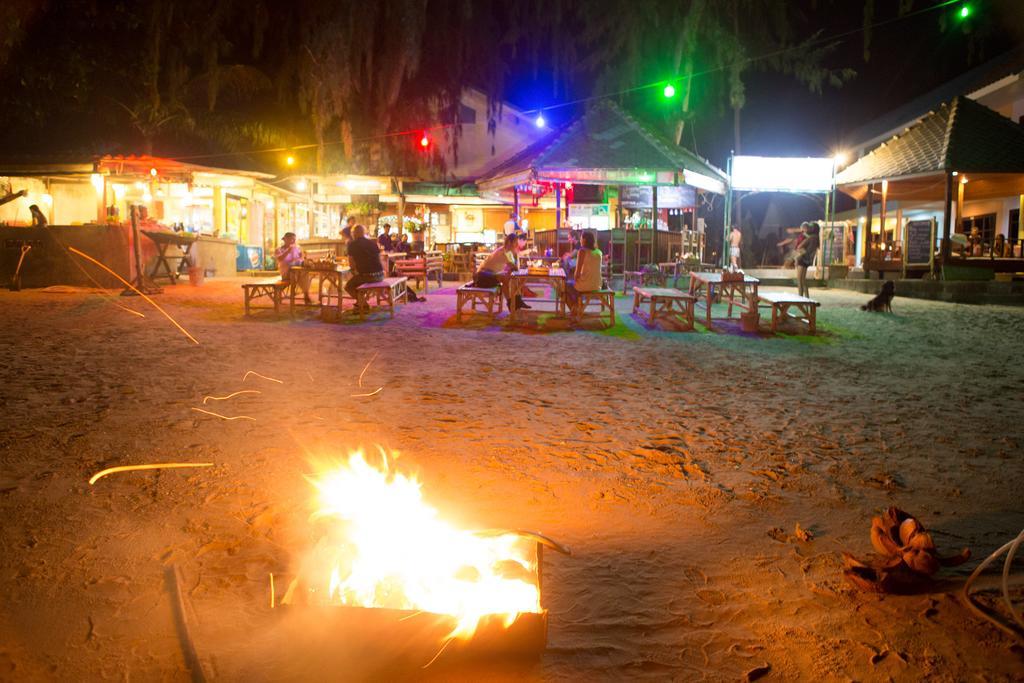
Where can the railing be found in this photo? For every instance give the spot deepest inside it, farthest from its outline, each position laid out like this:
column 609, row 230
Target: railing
column 884, row 255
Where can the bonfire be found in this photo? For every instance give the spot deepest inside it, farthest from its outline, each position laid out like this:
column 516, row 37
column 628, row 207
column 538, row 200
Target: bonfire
column 386, row 548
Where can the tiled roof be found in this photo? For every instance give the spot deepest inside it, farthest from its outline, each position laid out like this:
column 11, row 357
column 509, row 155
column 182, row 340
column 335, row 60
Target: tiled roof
column 960, row 135
column 605, row 137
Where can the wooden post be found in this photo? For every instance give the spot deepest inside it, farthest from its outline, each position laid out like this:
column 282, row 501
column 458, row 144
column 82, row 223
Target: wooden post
column 1020, row 222
column 558, row 215
column 654, row 228
column 959, row 205
column 515, row 201
column 947, row 218
column 401, row 209
column 866, row 239
column 881, row 214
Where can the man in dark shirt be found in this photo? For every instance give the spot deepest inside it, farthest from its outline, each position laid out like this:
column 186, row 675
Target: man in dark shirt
column 364, row 259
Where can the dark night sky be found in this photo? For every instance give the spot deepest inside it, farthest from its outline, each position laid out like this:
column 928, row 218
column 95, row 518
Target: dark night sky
column 908, row 57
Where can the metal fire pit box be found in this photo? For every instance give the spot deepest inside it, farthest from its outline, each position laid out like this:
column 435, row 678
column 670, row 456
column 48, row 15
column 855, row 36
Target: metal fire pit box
column 422, row 636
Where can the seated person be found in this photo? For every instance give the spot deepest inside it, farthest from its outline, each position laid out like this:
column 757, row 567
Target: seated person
column 403, row 243
column 587, row 273
column 999, row 247
column 289, row 255
column 38, row 217
column 494, row 271
column 364, row 260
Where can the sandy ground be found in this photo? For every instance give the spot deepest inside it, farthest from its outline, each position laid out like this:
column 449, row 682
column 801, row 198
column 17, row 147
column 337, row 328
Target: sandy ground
column 665, row 460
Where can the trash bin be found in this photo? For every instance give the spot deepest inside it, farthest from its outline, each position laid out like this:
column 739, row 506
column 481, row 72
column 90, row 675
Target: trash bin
column 750, row 321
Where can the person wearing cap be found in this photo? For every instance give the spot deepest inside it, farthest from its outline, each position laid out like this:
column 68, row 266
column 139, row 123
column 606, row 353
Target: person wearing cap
column 289, row 255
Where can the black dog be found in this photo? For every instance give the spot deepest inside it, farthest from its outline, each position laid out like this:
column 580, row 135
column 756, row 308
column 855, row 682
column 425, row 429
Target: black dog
column 882, row 300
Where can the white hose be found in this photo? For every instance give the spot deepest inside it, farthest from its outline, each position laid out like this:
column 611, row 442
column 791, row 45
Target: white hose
column 1011, row 550
column 1006, row 579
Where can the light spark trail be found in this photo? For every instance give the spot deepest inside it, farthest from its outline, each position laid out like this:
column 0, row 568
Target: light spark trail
column 156, row 466
column 134, row 289
column 253, row 372
column 224, row 417
column 367, row 368
column 232, row 395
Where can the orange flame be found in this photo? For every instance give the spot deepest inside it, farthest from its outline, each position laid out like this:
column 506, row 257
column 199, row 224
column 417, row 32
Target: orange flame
column 394, row 551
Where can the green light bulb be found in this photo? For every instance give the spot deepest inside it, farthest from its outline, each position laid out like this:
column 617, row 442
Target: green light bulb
column 965, row 11
column 669, row 91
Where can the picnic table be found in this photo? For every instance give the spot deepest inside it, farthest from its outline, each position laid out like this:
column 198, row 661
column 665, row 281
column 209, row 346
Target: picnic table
column 740, row 292
column 553, row 279
column 297, row 275
column 781, row 302
column 667, row 303
column 164, row 241
column 333, row 294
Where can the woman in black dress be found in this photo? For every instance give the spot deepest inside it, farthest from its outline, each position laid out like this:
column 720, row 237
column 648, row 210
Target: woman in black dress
column 805, row 257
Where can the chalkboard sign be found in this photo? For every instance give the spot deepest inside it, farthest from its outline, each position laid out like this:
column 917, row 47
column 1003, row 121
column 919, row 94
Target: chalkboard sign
column 919, row 246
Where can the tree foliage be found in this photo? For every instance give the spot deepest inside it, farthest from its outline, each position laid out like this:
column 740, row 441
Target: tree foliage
column 360, row 79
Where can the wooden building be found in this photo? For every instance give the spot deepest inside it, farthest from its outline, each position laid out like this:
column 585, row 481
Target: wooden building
column 946, row 195
column 607, row 172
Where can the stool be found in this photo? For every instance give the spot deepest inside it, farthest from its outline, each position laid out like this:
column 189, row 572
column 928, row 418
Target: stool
column 485, row 296
column 603, row 297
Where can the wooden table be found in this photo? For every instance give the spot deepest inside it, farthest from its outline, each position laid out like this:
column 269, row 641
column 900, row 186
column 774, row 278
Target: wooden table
column 335, row 279
column 739, row 293
column 297, row 275
column 164, row 241
column 665, row 302
column 519, row 279
column 781, row 302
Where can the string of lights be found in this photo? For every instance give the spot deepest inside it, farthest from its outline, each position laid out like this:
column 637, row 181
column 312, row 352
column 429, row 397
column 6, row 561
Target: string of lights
column 668, row 91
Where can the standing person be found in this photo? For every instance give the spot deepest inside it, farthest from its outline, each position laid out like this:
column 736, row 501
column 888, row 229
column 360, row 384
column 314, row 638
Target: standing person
column 805, row 257
column 587, row 274
column 385, row 241
column 346, row 230
column 510, row 226
column 289, row 255
column 364, row 260
column 735, row 239
column 38, row 218
column 494, row 272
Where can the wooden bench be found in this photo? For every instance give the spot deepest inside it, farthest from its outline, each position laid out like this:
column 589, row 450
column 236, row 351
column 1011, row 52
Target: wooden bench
column 781, row 302
column 605, row 298
column 665, row 302
column 390, row 290
column 485, row 296
column 257, row 290
column 422, row 268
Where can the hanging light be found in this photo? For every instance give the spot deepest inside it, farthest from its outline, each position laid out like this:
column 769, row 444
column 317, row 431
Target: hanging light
column 669, row 91
column 300, row 185
column 152, row 172
column 539, row 121
column 289, row 160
